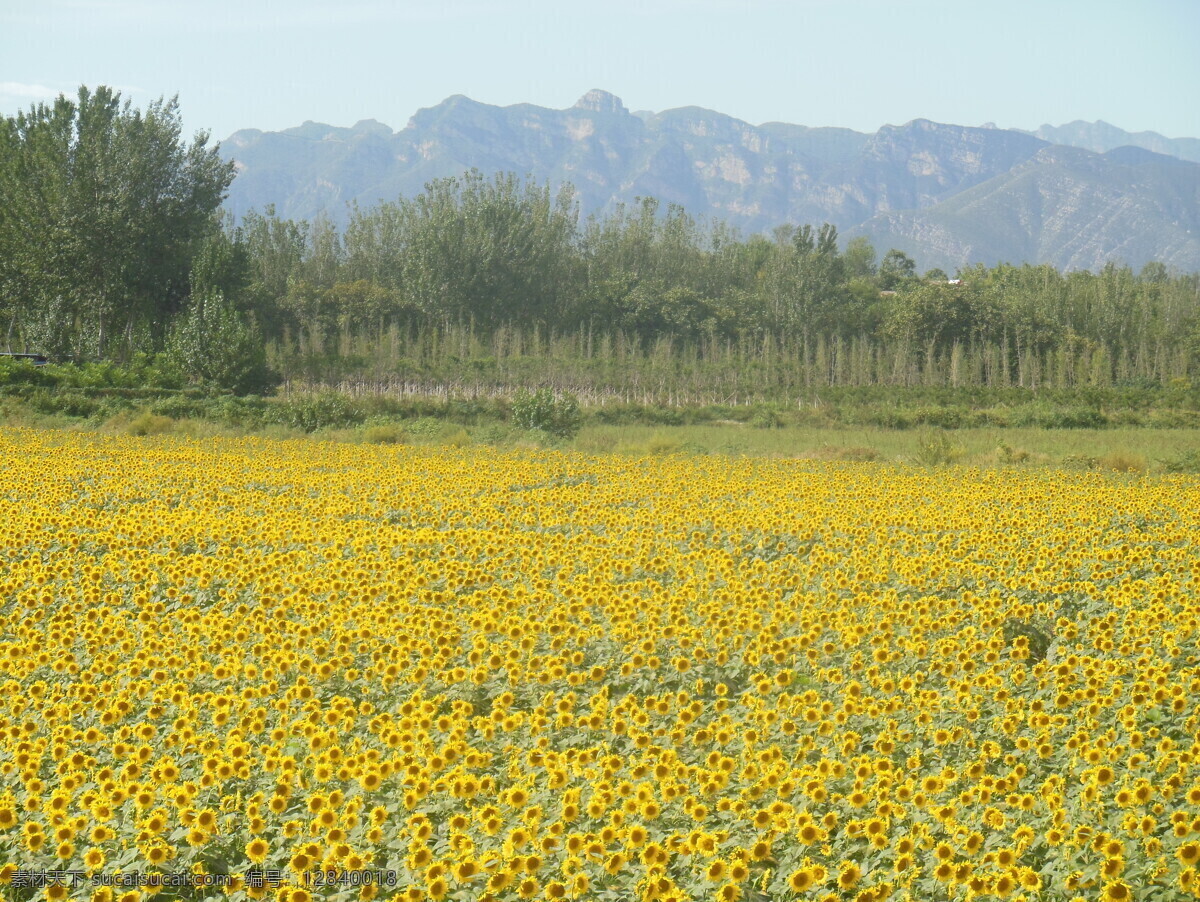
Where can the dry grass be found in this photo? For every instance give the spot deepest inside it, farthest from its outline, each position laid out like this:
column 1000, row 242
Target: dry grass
column 1123, row 462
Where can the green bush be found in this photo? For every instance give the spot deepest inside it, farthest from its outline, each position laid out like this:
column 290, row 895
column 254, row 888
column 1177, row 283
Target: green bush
column 1187, row 462
column 556, row 414
column 211, row 343
column 65, row 403
column 1044, row 416
column 661, row 444
column 935, row 448
column 425, row 428
column 146, row 423
column 459, row 438
column 1007, row 454
column 494, row 434
column 312, row 412
column 1123, row 462
column 767, row 418
column 14, row 371
column 181, row 407
column 384, row 434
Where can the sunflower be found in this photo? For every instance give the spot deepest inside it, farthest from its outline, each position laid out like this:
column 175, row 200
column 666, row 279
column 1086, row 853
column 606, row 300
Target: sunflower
column 1117, row 891
column 849, row 875
column 801, row 880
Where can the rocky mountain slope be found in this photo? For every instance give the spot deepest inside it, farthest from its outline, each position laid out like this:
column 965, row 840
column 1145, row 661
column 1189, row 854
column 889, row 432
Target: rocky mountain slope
column 1065, row 205
column 948, row 194
column 1100, row 137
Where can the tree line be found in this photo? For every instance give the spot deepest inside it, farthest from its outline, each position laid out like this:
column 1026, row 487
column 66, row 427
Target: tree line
column 112, row 244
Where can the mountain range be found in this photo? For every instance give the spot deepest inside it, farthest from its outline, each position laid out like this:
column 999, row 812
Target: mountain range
column 1077, row 196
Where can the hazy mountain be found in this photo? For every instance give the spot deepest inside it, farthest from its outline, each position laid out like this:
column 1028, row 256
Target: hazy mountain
column 1066, row 205
column 1100, row 137
column 957, row 193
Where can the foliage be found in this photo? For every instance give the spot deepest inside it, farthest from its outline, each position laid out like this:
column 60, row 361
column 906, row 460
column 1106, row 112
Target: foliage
column 102, row 208
column 467, row 247
column 936, row 448
column 493, row 280
column 213, row 344
column 556, row 414
column 1123, row 462
column 896, row 271
column 1187, row 462
column 396, row 291
column 311, row 412
column 384, row 434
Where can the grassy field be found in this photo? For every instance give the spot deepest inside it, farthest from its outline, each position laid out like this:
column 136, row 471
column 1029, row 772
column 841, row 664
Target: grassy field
column 1139, row 449
column 1142, row 449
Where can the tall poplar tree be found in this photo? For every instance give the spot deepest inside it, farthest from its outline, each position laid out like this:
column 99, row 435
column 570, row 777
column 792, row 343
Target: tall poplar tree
column 102, row 208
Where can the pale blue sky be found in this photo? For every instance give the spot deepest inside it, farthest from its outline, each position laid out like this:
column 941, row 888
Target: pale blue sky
column 856, row 63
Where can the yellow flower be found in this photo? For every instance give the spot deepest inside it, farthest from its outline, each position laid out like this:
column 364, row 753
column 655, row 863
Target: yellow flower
column 256, row 850
column 848, row 875
column 801, row 880
column 1117, row 891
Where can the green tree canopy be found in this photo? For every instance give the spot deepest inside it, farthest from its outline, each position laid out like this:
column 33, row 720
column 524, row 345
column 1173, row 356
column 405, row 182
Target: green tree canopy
column 102, row 208
column 896, row 270
column 493, row 250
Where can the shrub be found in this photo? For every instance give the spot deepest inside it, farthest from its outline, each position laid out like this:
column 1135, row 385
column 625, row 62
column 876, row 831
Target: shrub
column 313, row 412
column 147, row 423
column 557, row 414
column 1009, row 455
column 460, row 438
column 767, row 418
column 180, row 407
column 384, row 434
column 425, row 428
column 249, row 412
column 212, row 343
column 1124, row 462
column 1000, row 415
column 494, row 434
column 1074, row 418
column 1173, row 419
column 943, row 417
column 1188, row 462
column 661, row 444
column 935, row 448
column 14, row 371
column 72, row 404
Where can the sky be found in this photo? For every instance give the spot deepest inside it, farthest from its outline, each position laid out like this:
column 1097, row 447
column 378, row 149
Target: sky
column 853, row 63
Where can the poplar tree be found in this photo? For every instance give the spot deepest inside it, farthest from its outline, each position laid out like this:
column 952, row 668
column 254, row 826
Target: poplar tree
column 102, row 208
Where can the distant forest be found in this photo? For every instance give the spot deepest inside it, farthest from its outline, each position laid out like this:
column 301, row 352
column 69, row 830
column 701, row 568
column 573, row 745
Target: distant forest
column 112, row 245
column 486, row 271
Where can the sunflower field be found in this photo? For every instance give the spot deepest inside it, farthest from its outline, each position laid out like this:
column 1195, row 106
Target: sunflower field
column 243, row 669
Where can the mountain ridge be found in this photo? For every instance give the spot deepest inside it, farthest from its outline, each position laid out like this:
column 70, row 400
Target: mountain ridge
column 897, row 184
